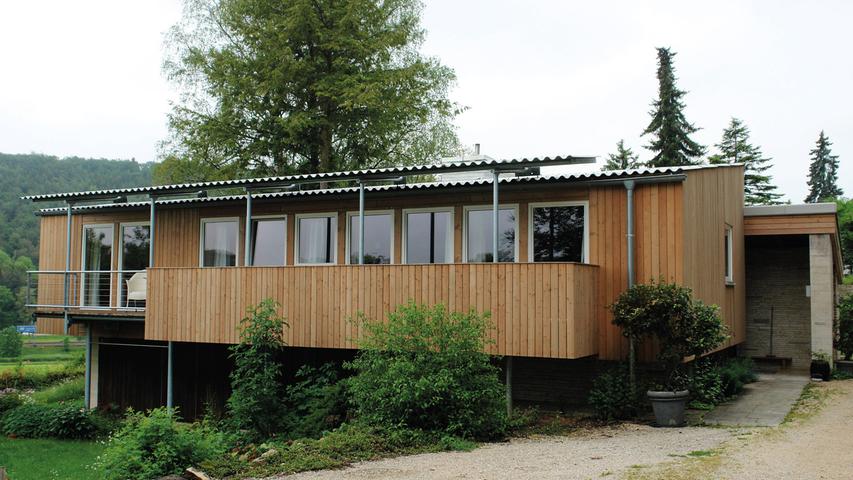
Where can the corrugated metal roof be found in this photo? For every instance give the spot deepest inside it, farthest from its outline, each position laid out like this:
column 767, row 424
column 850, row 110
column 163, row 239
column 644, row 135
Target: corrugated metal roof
column 365, row 174
column 576, row 177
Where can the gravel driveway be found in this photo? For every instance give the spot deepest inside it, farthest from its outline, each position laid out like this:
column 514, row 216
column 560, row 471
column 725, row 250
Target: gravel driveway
column 587, row 454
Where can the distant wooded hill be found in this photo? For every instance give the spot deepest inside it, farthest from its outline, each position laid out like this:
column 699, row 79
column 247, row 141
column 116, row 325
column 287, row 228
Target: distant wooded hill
column 35, row 173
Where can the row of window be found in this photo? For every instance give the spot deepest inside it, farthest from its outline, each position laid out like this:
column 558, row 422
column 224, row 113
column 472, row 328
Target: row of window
column 557, row 233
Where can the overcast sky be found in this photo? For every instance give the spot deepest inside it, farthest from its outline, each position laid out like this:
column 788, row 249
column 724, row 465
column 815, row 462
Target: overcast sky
column 539, row 77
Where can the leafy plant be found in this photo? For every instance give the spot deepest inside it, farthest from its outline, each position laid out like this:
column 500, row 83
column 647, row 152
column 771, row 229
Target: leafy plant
column 155, row 444
column 33, row 420
column 844, row 343
column 611, row 397
column 426, row 369
column 11, row 342
column 256, row 403
column 736, row 373
column 315, row 403
column 706, row 382
column 666, row 311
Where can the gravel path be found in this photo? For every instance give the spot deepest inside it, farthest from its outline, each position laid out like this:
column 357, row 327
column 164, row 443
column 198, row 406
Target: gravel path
column 820, row 447
column 587, row 454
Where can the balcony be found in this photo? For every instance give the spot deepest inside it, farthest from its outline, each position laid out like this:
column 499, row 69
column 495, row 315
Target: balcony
column 90, row 292
column 538, row 309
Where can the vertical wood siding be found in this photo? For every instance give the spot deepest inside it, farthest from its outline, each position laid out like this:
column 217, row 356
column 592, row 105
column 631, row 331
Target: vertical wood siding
column 541, row 310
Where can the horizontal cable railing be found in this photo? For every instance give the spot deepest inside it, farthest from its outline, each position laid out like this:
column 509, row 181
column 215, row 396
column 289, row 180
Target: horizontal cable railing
column 87, row 289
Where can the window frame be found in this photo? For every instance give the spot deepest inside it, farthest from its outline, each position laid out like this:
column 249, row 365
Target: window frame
column 83, row 266
column 368, row 213
column 281, row 216
column 202, row 224
column 488, row 208
column 404, row 236
column 333, row 236
column 572, row 203
column 728, row 255
column 120, row 263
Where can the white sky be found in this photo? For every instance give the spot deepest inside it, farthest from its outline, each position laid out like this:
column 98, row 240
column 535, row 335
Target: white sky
column 540, row 77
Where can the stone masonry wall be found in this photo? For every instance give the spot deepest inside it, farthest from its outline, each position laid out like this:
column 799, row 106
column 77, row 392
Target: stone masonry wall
column 777, row 272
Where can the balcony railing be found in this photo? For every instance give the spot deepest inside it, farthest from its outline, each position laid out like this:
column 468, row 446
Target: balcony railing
column 537, row 309
column 113, row 290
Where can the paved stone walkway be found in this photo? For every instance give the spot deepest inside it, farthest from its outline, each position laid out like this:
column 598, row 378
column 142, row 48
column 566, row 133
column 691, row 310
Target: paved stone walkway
column 764, row 403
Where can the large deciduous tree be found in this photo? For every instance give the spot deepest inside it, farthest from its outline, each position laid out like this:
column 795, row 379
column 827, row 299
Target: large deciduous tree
column 735, row 147
column 823, row 172
column 295, row 86
column 669, row 128
column 623, row 159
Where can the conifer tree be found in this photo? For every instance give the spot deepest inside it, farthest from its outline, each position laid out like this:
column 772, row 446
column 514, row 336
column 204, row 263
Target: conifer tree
column 671, row 131
column 736, row 148
column 823, row 172
column 623, row 159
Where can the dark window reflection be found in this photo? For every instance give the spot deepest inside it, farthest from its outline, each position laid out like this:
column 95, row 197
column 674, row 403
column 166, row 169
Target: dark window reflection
column 558, row 234
column 429, row 237
column 220, row 244
column 377, row 238
column 316, row 241
column 268, row 238
column 480, row 238
column 97, row 261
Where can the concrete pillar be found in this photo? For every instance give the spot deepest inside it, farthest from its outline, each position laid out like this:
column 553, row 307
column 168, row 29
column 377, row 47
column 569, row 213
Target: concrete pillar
column 93, row 388
column 822, row 288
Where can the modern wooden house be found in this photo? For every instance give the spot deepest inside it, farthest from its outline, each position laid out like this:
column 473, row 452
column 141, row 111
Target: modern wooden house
column 158, row 278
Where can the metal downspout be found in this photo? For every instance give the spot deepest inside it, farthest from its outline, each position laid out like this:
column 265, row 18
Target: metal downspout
column 88, row 376
column 495, row 259
column 629, row 193
column 169, row 362
column 361, row 223
column 247, row 244
column 66, row 282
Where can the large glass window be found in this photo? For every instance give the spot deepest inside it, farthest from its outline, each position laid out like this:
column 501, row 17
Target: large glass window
column 316, row 242
column 97, row 263
column 429, row 237
column 135, row 240
column 479, row 235
column 558, row 233
column 219, row 242
column 728, row 248
column 269, row 237
column 378, row 231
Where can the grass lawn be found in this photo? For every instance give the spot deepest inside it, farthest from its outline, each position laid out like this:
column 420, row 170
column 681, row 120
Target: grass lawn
column 51, row 339
column 42, row 359
column 38, row 459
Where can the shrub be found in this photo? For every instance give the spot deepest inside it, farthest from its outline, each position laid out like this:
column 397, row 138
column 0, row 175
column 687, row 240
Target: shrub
column 8, row 401
column 255, row 403
column 19, row 378
column 69, row 389
column 156, row 444
column 845, row 326
column 425, row 369
column 736, row 373
column 705, row 383
column 33, row 420
column 11, row 342
column 316, row 402
column 611, row 397
column 683, row 326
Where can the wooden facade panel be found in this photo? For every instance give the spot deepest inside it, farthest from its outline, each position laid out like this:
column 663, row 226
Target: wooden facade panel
column 790, row 224
column 320, row 302
column 713, row 199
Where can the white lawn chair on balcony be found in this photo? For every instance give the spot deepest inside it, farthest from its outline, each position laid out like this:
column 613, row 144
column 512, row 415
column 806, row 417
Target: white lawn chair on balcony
column 136, row 286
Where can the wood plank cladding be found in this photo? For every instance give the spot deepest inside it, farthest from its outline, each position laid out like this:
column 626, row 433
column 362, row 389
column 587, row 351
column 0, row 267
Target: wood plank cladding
column 790, row 224
column 539, row 310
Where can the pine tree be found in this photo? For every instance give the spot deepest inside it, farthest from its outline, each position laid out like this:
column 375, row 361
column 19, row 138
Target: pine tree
column 823, row 172
column 670, row 128
column 623, row 159
column 735, row 148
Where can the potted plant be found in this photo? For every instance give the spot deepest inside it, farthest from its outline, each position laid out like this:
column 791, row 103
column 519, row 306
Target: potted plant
column 820, row 368
column 683, row 327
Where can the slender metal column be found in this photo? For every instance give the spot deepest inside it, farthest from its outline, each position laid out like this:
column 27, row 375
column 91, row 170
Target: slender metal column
column 247, row 260
column 66, row 281
column 508, row 386
column 169, row 378
column 632, row 354
column 151, row 219
column 361, row 223
column 495, row 216
column 88, row 375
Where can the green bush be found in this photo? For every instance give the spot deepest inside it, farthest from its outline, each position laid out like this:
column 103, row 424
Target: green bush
column 705, row 383
column 11, row 343
column 667, row 311
column 735, row 373
column 315, row 403
column 8, row 401
column 33, row 420
column 845, row 327
column 256, row 403
column 425, row 369
column 66, row 390
column 611, row 397
column 19, row 378
column 156, row 444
